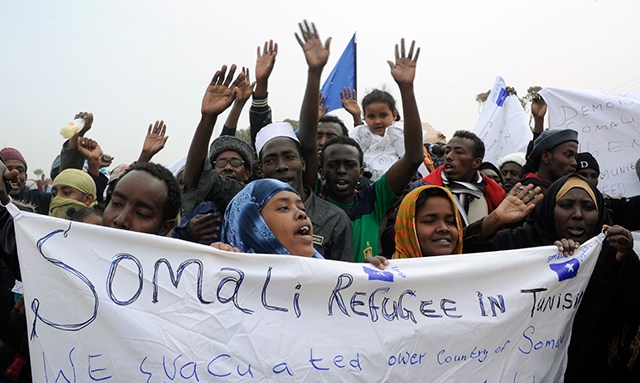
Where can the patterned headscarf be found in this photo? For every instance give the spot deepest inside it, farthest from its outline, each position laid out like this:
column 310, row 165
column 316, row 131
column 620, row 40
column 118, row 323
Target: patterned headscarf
column 407, row 243
column 244, row 226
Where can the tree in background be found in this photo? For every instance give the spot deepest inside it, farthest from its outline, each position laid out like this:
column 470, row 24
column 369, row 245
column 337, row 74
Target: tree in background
column 244, row 135
column 481, row 98
column 293, row 123
column 39, row 174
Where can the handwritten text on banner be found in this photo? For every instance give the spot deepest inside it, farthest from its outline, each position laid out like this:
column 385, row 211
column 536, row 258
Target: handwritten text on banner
column 117, row 306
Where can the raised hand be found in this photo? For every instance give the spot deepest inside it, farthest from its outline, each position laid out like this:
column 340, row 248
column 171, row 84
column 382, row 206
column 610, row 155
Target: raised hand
column 245, row 87
column 266, row 60
column 404, row 69
column 315, row 54
column 105, row 160
column 88, row 121
column 89, row 149
column 221, row 91
column 350, row 101
column 154, row 141
column 92, row 152
column 322, row 110
column 518, row 204
column 538, row 107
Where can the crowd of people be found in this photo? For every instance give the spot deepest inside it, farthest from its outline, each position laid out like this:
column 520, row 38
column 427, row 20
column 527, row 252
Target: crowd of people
column 348, row 195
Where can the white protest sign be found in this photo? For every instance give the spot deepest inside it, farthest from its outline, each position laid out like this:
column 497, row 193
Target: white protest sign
column 502, row 126
column 608, row 127
column 118, row 306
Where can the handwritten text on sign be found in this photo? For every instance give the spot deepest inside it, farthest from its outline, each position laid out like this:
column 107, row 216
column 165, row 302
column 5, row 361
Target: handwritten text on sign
column 111, row 305
column 608, row 127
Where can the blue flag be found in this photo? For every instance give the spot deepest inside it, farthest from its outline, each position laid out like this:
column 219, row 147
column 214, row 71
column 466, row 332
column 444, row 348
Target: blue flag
column 566, row 270
column 342, row 75
column 377, row 275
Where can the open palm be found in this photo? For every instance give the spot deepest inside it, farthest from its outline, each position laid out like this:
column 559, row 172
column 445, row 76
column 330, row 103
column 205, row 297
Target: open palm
column 220, row 95
column 404, row 69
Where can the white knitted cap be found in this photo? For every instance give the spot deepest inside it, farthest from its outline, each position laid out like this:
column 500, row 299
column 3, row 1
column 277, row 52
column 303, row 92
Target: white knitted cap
column 271, row 131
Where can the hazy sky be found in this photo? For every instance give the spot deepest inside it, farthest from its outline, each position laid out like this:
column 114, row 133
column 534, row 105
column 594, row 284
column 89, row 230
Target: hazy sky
column 133, row 62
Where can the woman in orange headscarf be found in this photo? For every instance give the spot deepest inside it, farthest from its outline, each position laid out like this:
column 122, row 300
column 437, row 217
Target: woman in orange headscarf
column 428, row 224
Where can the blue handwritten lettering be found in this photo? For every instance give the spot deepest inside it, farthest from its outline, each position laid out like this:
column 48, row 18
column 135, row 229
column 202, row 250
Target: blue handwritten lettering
column 337, row 297
column 175, row 279
column 145, row 372
column 234, row 297
column 282, row 367
column 91, row 372
column 264, row 294
column 215, row 359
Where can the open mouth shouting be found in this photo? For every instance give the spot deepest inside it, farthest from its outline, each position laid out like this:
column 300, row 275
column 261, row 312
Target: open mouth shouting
column 304, row 231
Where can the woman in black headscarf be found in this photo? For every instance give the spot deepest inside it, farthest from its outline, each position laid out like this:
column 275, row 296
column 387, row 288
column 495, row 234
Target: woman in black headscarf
column 605, row 339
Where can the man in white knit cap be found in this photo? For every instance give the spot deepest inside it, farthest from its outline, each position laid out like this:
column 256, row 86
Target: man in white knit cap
column 510, row 166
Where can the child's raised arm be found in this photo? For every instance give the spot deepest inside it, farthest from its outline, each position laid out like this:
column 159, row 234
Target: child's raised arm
column 404, row 72
column 350, row 104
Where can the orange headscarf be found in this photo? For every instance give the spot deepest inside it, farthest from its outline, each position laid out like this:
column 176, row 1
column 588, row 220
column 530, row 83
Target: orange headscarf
column 407, row 244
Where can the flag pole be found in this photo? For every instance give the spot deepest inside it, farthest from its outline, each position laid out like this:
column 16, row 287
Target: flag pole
column 355, row 63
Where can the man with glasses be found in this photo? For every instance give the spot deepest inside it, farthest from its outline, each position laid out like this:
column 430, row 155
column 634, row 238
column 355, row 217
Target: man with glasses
column 225, row 173
column 231, row 157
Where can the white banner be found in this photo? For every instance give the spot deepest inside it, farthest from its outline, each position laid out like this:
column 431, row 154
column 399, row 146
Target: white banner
column 118, row 306
column 608, row 127
column 502, row 126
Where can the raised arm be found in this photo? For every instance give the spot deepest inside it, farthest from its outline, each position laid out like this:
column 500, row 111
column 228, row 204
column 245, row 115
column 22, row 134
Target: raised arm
column 245, row 88
column 92, row 152
column 70, row 157
column 88, row 121
column 264, row 66
column 350, row 104
column 404, row 72
column 514, row 208
column 322, row 110
column 219, row 95
column 538, row 110
column 316, row 56
column 260, row 112
column 154, row 141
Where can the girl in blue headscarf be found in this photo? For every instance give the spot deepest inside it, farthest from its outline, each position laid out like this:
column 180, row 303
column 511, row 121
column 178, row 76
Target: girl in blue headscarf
column 268, row 217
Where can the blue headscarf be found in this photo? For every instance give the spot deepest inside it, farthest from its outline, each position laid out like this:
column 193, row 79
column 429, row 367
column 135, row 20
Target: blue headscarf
column 244, row 226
